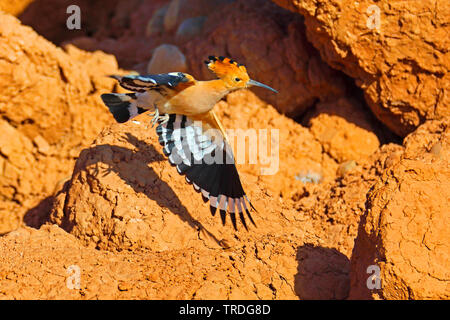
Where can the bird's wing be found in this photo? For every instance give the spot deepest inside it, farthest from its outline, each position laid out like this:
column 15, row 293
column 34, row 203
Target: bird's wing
column 165, row 82
column 199, row 151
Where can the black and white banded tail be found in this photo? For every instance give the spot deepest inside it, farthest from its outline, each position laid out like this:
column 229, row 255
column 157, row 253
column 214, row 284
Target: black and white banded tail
column 207, row 162
column 122, row 106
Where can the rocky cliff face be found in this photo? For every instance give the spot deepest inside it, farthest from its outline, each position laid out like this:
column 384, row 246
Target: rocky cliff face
column 78, row 190
column 46, row 93
column 404, row 228
column 397, row 52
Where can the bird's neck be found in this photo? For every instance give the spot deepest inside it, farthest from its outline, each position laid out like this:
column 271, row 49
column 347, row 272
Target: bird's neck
column 217, row 89
column 203, row 96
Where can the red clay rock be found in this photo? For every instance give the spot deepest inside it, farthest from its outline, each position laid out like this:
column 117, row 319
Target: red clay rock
column 404, row 230
column 35, row 264
column 343, row 140
column 46, row 94
column 403, row 67
column 14, row 7
column 316, row 279
column 115, row 27
column 334, row 208
column 157, row 239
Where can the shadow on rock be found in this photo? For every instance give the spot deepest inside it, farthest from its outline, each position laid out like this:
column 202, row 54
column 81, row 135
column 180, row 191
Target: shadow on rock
column 322, row 274
column 38, row 215
column 132, row 166
column 139, row 176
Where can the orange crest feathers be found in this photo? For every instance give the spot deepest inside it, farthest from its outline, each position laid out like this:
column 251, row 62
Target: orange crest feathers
column 226, row 67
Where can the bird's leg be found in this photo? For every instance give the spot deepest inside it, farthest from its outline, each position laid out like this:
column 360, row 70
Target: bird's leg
column 155, row 113
column 158, row 118
column 155, row 116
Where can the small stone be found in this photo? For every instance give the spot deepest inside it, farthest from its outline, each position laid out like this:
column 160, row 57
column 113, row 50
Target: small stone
column 180, row 10
column 41, row 144
column 155, row 25
column 345, row 167
column 170, row 19
column 436, row 149
column 309, row 177
column 124, row 286
column 167, row 58
column 190, row 28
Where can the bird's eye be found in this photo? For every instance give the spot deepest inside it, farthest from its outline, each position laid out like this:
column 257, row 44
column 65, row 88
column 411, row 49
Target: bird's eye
column 237, row 79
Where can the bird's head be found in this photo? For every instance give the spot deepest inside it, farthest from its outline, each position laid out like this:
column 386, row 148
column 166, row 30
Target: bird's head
column 233, row 74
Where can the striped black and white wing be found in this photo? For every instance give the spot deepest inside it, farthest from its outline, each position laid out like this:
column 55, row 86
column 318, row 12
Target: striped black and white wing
column 142, row 83
column 207, row 161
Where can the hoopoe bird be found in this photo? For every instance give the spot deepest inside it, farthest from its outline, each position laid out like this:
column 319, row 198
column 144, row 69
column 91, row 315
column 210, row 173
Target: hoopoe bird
column 190, row 132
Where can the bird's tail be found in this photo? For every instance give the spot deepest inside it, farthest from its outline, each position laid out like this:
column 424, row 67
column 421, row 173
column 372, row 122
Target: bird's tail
column 123, row 106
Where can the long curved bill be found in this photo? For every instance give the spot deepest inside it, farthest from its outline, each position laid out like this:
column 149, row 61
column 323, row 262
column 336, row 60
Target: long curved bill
column 259, row 84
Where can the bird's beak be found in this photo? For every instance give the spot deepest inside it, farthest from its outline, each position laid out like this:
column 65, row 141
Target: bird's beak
column 259, row 84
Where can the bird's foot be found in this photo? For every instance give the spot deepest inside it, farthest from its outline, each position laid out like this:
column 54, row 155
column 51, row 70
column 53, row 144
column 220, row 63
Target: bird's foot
column 158, row 118
column 164, row 119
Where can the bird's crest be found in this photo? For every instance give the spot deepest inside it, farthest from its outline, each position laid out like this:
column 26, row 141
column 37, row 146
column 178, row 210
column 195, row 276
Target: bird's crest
column 226, row 67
